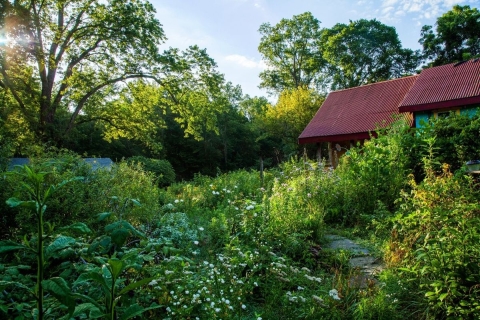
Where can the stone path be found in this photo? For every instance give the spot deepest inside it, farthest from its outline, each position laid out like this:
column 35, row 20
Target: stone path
column 361, row 259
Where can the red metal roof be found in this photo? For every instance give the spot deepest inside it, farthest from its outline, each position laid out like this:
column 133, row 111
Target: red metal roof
column 352, row 113
column 451, row 85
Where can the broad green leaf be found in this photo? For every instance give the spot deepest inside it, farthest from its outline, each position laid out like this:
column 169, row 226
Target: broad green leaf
column 136, row 202
column 88, row 299
column 119, row 236
column 135, row 285
column 14, row 202
column 59, row 243
column 102, row 216
column 116, row 267
column 58, row 288
column 84, row 308
column 78, row 227
column 95, row 277
column 6, row 246
column 136, row 310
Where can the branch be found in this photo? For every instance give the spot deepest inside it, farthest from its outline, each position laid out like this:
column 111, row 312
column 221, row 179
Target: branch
column 69, row 72
column 85, row 98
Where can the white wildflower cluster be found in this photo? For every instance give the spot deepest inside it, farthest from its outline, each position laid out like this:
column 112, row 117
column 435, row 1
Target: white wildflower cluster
column 295, row 298
column 311, row 278
column 334, row 294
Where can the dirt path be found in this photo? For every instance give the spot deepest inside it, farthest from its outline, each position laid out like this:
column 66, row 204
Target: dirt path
column 361, row 259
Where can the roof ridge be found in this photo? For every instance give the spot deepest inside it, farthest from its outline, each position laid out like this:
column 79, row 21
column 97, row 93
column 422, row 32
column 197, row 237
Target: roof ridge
column 374, row 83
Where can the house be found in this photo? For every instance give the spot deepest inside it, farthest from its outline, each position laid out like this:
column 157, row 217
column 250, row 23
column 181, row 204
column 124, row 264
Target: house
column 438, row 91
column 349, row 116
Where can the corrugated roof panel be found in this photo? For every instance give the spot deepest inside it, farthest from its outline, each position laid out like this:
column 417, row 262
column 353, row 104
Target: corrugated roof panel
column 445, row 83
column 359, row 109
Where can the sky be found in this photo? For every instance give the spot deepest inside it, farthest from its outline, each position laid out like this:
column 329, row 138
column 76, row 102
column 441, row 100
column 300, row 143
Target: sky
column 228, row 29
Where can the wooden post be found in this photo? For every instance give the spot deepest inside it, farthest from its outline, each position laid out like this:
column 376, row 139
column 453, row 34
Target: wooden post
column 330, row 154
column 319, row 152
column 261, row 170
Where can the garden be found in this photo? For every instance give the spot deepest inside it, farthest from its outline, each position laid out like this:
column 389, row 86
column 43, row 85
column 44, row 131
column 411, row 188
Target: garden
column 121, row 243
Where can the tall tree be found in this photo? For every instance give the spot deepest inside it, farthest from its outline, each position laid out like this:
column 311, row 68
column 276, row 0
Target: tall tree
column 64, row 55
column 456, row 36
column 291, row 52
column 365, row 51
column 290, row 115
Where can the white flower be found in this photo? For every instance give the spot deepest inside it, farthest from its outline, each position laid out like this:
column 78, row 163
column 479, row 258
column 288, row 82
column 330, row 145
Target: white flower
column 334, row 294
column 167, row 272
column 217, row 310
column 201, row 229
column 195, row 242
column 153, row 282
column 250, row 207
column 255, row 284
column 176, row 201
column 244, row 307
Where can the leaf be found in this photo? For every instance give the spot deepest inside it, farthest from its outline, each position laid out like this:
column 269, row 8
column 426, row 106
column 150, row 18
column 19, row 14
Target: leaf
column 136, row 310
column 6, row 246
column 4, row 284
column 95, row 277
column 59, row 243
column 84, row 308
column 14, row 202
column 119, row 236
column 58, row 288
column 136, row 202
column 78, row 227
column 116, row 267
column 64, row 182
column 135, row 285
column 87, row 298
column 102, row 216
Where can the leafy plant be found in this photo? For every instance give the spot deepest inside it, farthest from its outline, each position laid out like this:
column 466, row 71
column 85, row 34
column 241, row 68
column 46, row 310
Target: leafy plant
column 39, row 194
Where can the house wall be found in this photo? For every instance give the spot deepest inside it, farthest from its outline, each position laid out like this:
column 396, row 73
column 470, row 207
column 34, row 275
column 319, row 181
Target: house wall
column 423, row 116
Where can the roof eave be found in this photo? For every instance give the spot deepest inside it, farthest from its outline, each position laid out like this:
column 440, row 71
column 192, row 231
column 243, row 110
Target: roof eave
column 336, row 138
column 440, row 105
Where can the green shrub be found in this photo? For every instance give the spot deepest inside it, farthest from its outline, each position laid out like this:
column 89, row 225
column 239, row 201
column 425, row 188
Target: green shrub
column 436, row 242
column 371, row 176
column 83, row 200
column 457, row 138
column 162, row 169
column 300, row 197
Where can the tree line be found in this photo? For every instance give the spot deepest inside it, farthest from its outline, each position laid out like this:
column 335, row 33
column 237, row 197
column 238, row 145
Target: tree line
column 88, row 75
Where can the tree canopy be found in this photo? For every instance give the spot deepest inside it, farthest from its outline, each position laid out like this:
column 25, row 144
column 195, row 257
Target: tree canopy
column 292, row 54
column 365, row 51
column 456, row 36
column 70, row 62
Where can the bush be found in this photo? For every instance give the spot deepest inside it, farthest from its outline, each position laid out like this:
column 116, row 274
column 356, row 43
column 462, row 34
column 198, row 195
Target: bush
column 457, row 137
column 371, row 176
column 436, row 241
column 162, row 169
column 82, row 200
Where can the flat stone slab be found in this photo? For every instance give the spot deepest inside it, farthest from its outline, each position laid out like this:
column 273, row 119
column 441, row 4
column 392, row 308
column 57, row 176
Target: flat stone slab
column 338, row 242
column 369, row 266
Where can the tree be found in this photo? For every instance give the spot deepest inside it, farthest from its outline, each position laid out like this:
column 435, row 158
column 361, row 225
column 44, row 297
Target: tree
column 62, row 56
column 456, row 36
column 291, row 52
column 365, row 51
column 290, row 115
